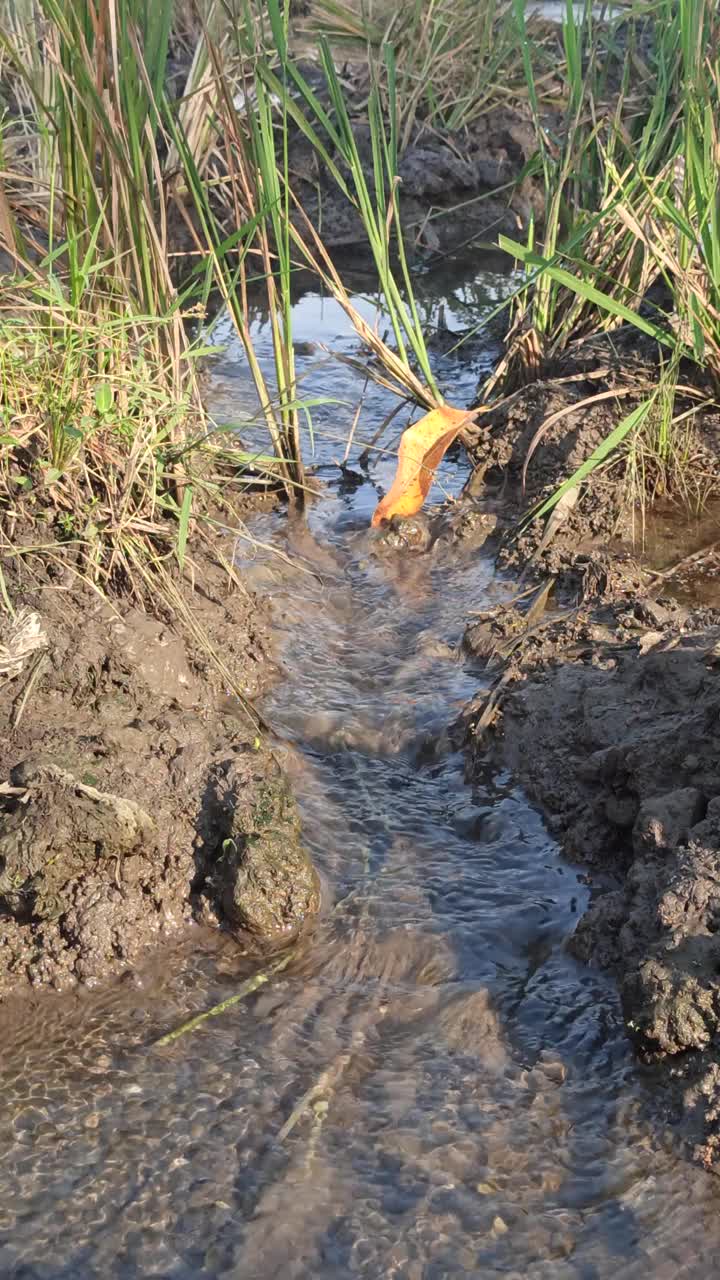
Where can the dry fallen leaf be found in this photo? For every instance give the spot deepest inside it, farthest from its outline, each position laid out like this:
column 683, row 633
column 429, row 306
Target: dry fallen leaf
column 422, row 447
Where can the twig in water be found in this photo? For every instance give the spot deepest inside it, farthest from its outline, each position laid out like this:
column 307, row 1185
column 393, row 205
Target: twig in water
column 355, row 421
column 252, row 984
column 364, row 457
column 685, row 560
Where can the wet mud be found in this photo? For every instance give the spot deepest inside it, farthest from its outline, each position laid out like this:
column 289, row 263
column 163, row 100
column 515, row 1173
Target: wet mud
column 136, row 795
column 603, row 699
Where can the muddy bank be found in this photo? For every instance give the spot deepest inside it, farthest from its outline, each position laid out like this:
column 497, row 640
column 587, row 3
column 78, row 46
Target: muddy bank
column 538, row 436
column 603, row 698
column 612, row 723
column 136, row 797
column 457, row 189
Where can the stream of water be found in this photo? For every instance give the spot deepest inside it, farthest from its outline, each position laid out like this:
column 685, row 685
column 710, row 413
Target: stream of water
column 434, row 1088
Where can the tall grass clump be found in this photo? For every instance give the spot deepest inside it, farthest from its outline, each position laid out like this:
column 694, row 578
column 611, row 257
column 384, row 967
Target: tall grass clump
column 96, row 309
column 591, row 161
column 253, row 197
column 661, row 212
column 108, row 463
column 87, row 426
column 373, row 194
column 681, row 228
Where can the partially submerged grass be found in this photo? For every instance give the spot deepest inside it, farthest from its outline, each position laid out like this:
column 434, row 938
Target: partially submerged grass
column 256, row 193
column 374, row 195
column 100, row 396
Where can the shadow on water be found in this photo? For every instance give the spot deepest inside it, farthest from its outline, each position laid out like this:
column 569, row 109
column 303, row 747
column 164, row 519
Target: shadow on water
column 434, row 1088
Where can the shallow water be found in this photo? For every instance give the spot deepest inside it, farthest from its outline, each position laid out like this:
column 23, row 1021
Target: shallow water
column 434, row 1087
column 683, row 546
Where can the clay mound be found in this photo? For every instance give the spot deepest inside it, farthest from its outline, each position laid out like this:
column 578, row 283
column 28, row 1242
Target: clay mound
column 135, row 795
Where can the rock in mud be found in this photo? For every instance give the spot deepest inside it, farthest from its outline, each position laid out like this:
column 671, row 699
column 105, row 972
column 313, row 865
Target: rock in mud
column 435, row 169
column 406, row 533
column 264, row 882
column 664, row 822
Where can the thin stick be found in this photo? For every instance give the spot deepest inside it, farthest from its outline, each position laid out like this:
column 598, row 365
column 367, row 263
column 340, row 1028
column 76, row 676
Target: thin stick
column 685, row 560
column 252, row 984
column 355, row 421
column 370, row 444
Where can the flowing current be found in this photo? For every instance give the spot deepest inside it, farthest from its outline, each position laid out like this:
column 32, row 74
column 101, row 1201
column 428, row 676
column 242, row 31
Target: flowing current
column 433, row 1087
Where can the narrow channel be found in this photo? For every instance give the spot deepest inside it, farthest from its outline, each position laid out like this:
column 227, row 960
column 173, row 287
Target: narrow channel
column 434, row 1087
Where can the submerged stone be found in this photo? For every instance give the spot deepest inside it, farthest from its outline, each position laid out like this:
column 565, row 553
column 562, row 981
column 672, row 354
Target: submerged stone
column 264, row 881
column 407, row 533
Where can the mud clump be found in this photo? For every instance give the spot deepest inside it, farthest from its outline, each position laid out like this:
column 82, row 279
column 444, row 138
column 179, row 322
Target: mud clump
column 440, row 171
column 406, row 533
column 264, row 881
column 468, row 528
column 57, row 826
column 127, row 777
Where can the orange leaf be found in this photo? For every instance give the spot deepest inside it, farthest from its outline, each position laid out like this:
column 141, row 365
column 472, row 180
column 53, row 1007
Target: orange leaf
column 422, row 447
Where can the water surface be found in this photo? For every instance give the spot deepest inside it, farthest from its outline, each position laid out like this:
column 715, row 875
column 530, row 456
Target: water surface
column 434, row 1087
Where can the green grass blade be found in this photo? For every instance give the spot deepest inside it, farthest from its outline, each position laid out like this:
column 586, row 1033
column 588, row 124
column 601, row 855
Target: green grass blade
column 629, row 424
column 183, row 526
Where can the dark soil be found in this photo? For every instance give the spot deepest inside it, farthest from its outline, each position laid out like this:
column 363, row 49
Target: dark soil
column 604, row 700
column 458, row 188
column 136, row 796
column 449, row 194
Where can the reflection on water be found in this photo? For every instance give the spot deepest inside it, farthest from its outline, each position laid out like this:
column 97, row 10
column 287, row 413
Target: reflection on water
column 433, row 1088
column 684, row 548
column 322, row 329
